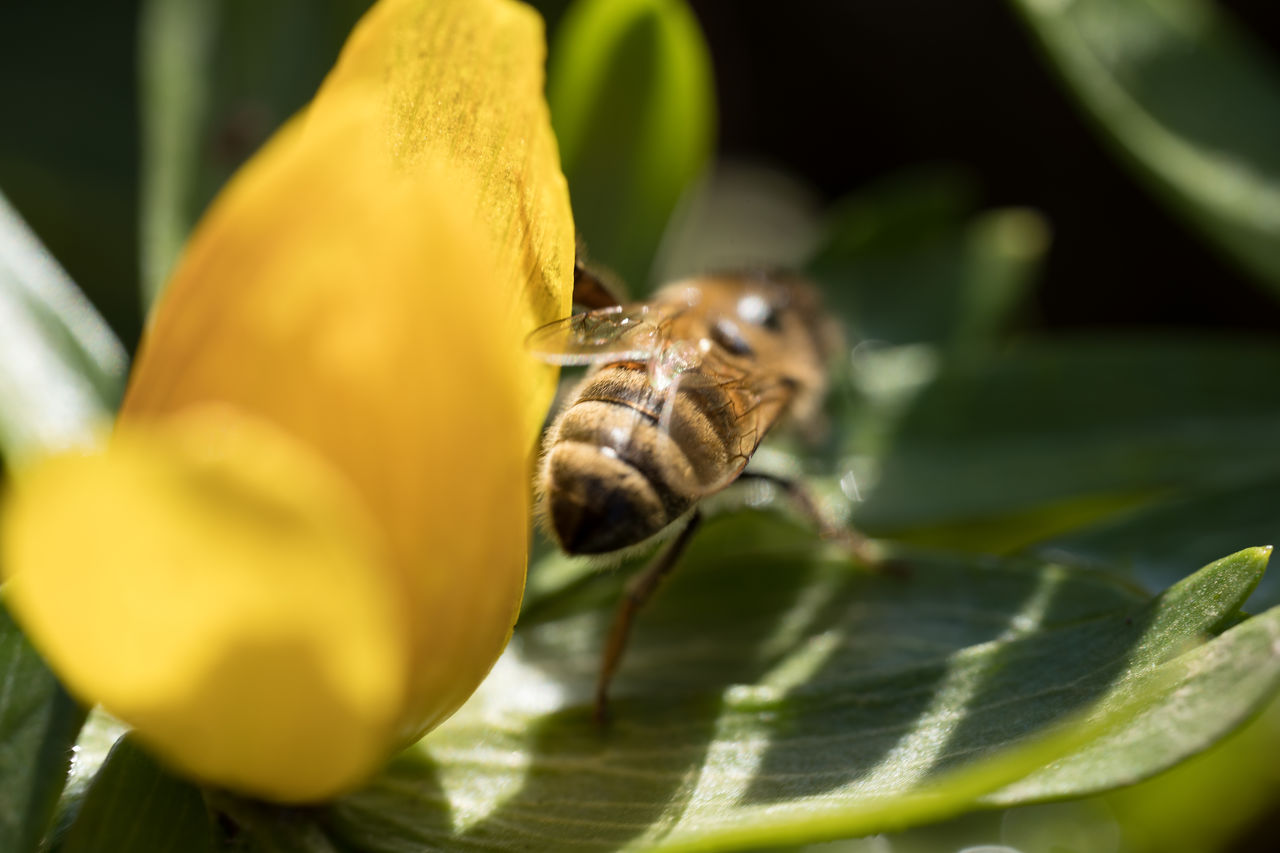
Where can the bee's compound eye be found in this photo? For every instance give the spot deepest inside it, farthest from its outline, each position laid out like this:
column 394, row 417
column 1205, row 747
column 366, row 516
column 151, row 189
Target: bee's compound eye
column 757, row 310
column 726, row 333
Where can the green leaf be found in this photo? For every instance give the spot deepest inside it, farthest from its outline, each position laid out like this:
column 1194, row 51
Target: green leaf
column 905, row 261
column 1154, row 544
column 1048, row 436
column 774, row 693
column 176, row 38
column 1189, row 100
column 1208, row 802
column 134, row 804
column 38, row 725
column 1204, row 693
column 217, row 77
column 633, row 107
column 97, row 737
column 61, row 369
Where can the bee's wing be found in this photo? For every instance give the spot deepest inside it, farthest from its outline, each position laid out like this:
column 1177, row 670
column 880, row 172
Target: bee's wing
column 618, row 333
column 743, row 403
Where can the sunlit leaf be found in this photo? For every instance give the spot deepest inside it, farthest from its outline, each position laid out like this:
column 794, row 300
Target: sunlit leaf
column 775, row 693
column 1219, row 685
column 1190, row 102
column 38, row 725
column 1214, row 796
column 61, row 368
column 633, row 106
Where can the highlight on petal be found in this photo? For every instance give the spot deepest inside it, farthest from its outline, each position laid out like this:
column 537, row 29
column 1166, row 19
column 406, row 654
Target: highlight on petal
column 220, row 588
column 462, row 82
column 373, row 328
column 358, row 293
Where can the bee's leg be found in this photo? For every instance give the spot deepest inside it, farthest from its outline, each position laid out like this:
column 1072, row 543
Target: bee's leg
column 860, row 547
column 590, row 290
column 639, row 590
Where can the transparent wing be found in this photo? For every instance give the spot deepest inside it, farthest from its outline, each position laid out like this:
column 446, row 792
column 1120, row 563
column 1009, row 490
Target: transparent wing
column 618, row 333
column 723, row 408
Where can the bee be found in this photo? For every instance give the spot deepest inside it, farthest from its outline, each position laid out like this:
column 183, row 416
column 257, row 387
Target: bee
column 682, row 390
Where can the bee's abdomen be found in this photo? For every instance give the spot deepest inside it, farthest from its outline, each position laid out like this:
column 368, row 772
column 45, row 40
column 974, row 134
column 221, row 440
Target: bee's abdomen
column 613, row 476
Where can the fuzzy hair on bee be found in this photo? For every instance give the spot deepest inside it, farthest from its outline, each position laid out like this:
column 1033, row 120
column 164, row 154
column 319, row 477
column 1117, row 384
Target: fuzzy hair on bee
column 680, row 392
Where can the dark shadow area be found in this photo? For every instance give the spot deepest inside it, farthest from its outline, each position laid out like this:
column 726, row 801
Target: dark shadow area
column 844, row 93
column 372, row 819
column 368, row 820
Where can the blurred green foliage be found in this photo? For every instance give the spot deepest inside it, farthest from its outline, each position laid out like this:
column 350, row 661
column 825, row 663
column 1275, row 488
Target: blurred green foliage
column 69, row 142
column 1054, row 495
column 66, row 370
column 633, row 107
column 217, row 77
column 1190, row 102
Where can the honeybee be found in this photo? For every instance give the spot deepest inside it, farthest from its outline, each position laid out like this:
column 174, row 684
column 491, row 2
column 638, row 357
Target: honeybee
column 682, row 390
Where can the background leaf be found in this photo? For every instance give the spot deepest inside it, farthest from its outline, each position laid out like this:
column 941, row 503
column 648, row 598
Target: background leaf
column 38, row 725
column 61, row 369
column 1189, row 100
column 176, row 43
column 909, row 261
column 218, row 76
column 1053, row 434
column 1153, row 543
column 633, row 107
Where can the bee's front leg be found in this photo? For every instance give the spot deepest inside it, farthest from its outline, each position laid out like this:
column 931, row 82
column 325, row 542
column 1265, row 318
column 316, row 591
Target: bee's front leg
column 639, row 590
column 859, row 546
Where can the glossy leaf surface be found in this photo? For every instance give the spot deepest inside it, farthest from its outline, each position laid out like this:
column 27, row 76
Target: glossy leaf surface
column 776, row 693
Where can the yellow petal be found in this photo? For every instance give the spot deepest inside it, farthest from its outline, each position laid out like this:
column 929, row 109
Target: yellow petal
column 365, row 283
column 362, row 288
column 462, row 81
column 272, row 657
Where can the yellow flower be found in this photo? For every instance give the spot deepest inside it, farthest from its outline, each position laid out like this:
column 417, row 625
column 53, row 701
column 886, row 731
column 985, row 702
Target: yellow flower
column 305, row 542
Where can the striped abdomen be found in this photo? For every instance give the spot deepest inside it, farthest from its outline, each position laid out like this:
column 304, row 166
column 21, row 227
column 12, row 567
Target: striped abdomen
column 617, row 470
